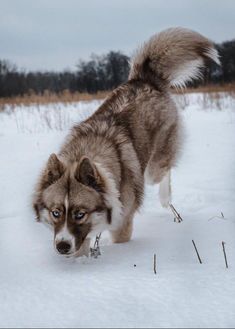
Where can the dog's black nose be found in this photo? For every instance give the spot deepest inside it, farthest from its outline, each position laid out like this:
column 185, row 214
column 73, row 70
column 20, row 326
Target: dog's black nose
column 63, row 247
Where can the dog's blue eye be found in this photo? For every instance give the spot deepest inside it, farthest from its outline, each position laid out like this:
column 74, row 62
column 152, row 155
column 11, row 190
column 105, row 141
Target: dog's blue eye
column 79, row 215
column 56, row 213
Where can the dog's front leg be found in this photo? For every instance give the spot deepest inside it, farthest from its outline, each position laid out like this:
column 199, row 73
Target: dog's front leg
column 123, row 234
column 84, row 249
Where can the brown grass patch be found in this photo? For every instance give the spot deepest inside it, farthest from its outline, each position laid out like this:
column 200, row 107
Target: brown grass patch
column 68, row 97
column 227, row 88
column 49, row 98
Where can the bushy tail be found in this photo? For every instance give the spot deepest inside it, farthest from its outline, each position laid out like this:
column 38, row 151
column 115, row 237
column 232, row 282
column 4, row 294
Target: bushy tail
column 172, row 58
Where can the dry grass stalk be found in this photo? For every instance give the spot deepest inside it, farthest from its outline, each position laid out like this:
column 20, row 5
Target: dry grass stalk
column 198, row 256
column 95, row 251
column 65, row 97
column 155, row 264
column 212, row 92
column 225, row 256
column 219, row 217
column 177, row 217
column 228, row 88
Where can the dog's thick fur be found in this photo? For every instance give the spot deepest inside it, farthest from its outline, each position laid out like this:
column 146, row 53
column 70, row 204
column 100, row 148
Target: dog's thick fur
column 134, row 136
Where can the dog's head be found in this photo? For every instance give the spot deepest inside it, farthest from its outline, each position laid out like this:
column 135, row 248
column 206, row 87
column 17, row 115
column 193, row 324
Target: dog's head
column 73, row 200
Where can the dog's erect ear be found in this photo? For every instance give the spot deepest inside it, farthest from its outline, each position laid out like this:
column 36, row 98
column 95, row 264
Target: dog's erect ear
column 36, row 207
column 54, row 170
column 87, row 174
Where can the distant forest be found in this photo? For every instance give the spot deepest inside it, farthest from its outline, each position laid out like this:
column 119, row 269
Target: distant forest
column 99, row 73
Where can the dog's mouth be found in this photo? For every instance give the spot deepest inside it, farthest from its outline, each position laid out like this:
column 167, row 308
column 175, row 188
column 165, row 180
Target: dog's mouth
column 72, row 243
column 72, row 254
column 65, row 249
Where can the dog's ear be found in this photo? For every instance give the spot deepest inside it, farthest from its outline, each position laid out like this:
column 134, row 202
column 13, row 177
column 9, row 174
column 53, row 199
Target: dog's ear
column 54, row 170
column 37, row 203
column 37, row 207
column 87, row 174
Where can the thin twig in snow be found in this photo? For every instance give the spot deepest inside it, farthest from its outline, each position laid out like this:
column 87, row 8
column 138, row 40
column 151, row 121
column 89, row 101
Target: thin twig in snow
column 155, row 264
column 225, row 256
column 95, row 251
column 177, row 217
column 200, row 261
column 219, row 217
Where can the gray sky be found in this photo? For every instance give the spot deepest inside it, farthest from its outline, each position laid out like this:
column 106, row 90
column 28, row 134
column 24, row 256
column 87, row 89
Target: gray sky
column 54, row 34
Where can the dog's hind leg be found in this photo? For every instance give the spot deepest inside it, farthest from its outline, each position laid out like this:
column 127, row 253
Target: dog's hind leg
column 165, row 190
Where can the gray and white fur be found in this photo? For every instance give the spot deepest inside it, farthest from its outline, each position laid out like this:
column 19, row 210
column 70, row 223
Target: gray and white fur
column 96, row 182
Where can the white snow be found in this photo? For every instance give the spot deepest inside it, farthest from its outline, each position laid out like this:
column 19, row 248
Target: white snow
column 39, row 288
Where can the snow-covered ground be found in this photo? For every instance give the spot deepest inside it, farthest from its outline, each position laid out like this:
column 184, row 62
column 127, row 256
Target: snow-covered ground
column 38, row 288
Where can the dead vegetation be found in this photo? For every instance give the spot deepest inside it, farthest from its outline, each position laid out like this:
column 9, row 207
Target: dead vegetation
column 212, row 94
column 47, row 97
column 226, row 88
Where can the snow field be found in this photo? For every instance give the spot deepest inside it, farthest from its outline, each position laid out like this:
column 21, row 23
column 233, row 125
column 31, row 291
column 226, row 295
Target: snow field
column 38, row 288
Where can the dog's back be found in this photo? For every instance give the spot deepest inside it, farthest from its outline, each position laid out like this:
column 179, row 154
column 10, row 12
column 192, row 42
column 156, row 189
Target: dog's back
column 143, row 107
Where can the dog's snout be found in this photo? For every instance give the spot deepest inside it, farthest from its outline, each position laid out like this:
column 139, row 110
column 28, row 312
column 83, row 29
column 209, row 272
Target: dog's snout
column 63, row 247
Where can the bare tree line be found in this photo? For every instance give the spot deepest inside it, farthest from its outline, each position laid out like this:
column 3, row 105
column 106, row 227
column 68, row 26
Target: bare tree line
column 99, row 73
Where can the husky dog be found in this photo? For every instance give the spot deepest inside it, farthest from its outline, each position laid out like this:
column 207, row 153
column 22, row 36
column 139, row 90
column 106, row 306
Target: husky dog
column 96, row 182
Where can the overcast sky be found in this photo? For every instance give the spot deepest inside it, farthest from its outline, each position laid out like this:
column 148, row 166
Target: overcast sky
column 54, row 34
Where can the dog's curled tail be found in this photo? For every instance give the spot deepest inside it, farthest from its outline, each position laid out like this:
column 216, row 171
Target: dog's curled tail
column 172, row 58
